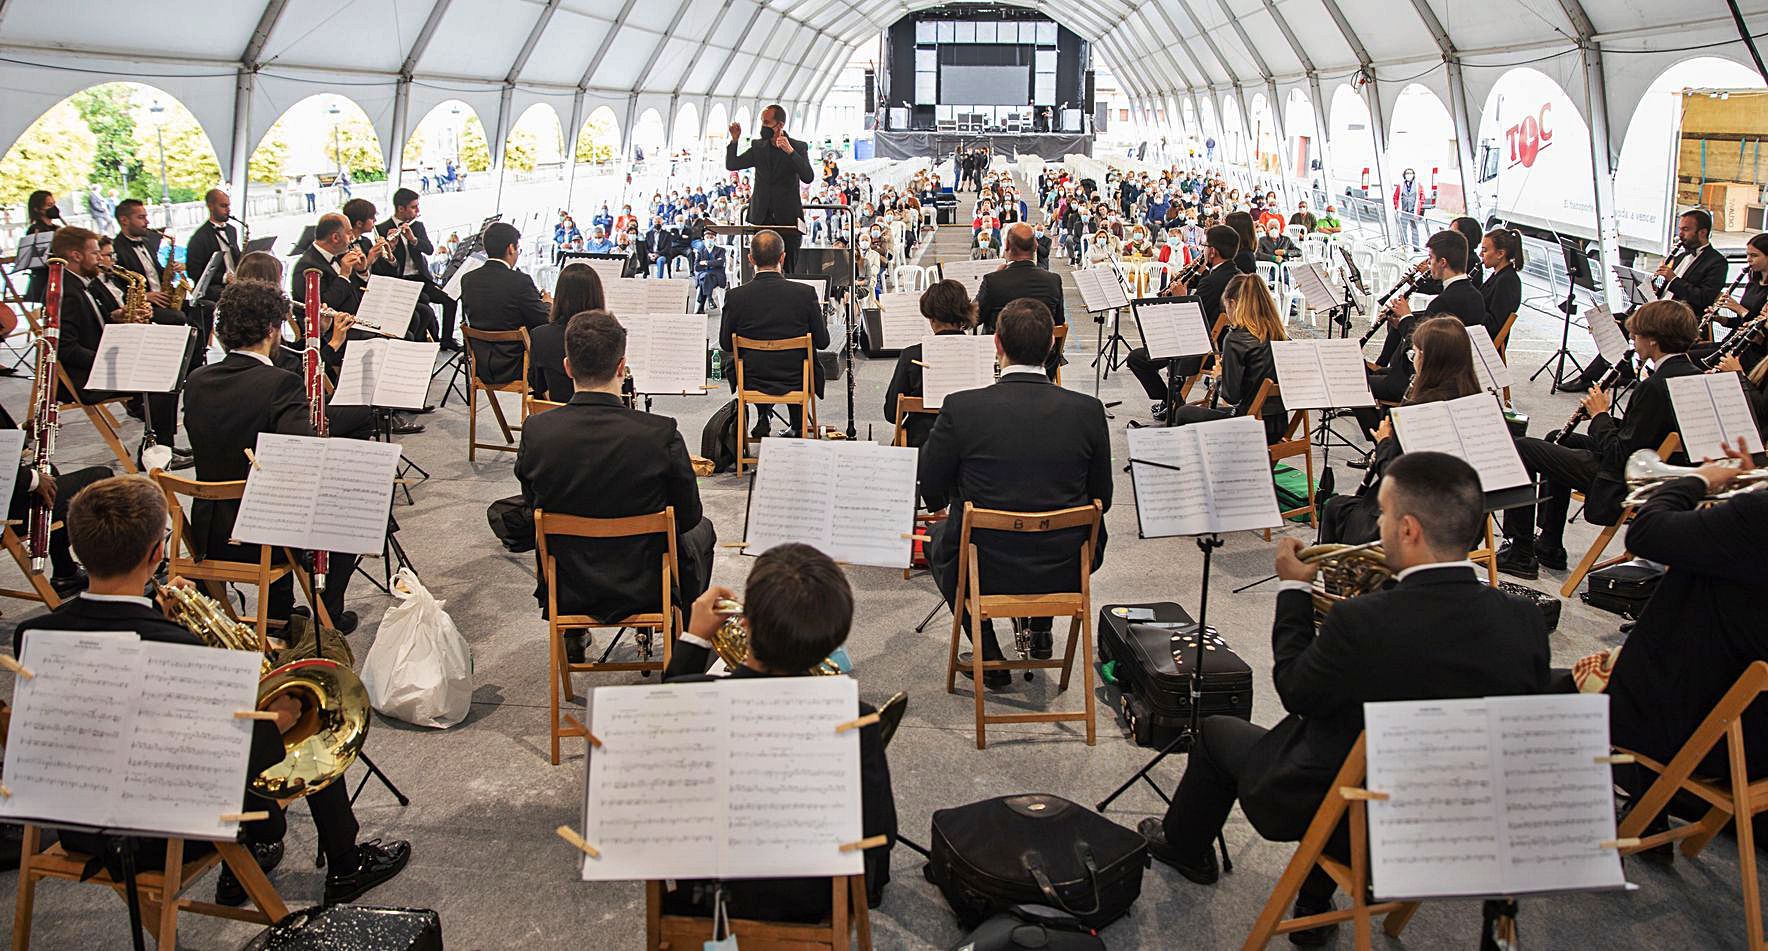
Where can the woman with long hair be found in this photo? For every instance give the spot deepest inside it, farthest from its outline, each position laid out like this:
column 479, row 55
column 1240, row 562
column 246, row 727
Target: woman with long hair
column 43, row 216
column 1736, row 313
column 1500, row 256
column 949, row 310
column 579, row 289
column 1252, row 324
column 1241, row 222
column 1444, row 357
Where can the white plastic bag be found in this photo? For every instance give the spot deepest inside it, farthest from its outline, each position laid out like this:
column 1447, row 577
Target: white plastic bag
column 419, row 668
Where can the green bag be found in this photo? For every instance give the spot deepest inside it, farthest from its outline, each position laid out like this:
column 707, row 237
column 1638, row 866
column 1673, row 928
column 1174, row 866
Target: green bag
column 1292, row 491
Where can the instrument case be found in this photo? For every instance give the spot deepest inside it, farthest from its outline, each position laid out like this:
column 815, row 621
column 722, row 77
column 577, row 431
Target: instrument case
column 1547, row 603
column 1153, row 671
column 1622, row 589
column 353, row 928
column 1035, row 849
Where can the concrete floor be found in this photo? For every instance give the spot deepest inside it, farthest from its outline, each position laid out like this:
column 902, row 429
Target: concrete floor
column 485, row 801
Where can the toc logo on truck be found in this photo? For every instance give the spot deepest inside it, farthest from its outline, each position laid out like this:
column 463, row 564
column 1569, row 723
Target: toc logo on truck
column 1528, row 137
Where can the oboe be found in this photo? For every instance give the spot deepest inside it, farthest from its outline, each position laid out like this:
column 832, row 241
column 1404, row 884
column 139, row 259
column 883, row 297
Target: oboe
column 1405, row 284
column 45, row 414
column 314, row 370
column 1580, row 414
column 1677, row 251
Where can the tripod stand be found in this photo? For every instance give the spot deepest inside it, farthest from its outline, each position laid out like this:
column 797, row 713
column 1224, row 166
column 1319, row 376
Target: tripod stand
column 1577, row 268
column 1187, row 739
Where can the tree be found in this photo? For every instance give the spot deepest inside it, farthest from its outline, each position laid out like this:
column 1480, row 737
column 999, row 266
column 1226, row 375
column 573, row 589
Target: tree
column 54, row 153
column 191, row 168
column 413, row 156
column 265, row 167
column 475, row 154
column 108, row 113
column 361, row 148
column 518, row 151
column 598, row 139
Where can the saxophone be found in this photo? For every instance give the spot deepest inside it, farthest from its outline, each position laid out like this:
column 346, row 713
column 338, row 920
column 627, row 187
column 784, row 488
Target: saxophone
column 333, row 724
column 176, row 284
column 136, row 309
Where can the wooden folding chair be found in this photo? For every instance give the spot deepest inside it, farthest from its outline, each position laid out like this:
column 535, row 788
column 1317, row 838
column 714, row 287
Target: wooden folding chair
column 1592, row 558
column 804, row 396
column 666, row 621
column 159, row 891
column 536, row 406
column 1736, row 799
column 1487, row 555
column 907, row 406
column 1058, row 345
column 475, row 386
column 1076, row 605
column 98, row 411
column 1297, row 440
column 41, row 589
column 216, row 574
column 1352, row 879
column 1501, row 343
column 848, row 920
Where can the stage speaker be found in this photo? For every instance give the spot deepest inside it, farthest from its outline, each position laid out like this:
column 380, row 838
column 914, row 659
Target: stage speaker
column 871, row 100
column 1091, row 86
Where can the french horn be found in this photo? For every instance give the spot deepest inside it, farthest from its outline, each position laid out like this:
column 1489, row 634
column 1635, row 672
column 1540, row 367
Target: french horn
column 731, row 640
column 1346, row 571
column 1646, row 473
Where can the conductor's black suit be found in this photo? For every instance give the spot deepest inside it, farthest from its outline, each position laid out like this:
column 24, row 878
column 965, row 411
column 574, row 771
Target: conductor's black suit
column 774, row 197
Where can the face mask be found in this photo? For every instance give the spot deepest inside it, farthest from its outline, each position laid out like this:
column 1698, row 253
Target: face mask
column 865, row 245
column 1040, row 232
column 53, row 211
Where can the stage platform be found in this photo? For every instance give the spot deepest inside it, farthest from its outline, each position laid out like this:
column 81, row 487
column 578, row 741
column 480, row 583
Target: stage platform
column 1049, row 146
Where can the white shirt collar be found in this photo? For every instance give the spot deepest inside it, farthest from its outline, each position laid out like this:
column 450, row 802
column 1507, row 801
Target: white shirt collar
column 1023, row 368
column 118, row 598
column 1462, row 563
column 254, row 355
column 1450, row 280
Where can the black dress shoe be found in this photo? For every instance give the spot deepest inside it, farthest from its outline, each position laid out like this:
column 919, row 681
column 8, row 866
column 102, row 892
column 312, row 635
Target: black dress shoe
column 1202, row 870
column 426, row 410
column 1042, row 644
column 1553, row 558
column 1313, row 937
column 346, row 622
column 991, row 679
column 1517, row 563
column 450, row 345
column 576, row 643
column 1574, row 385
column 375, row 863
column 400, row 426
column 66, row 586
column 228, row 890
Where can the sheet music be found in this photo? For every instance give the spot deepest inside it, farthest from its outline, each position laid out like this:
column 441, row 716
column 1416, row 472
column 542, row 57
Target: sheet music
column 470, row 264
column 668, row 295
column 1472, row 429
column 12, row 455
column 607, row 269
column 116, row 732
column 1611, row 341
column 1635, row 284
column 139, row 358
column 1711, row 413
column 1559, row 801
column 1314, row 287
column 1494, row 375
column 899, row 320
column 853, row 501
column 667, row 353
column 969, row 273
column 384, row 372
column 1172, row 327
column 387, row 305
column 1099, row 288
column 1223, row 483
column 820, row 285
column 320, row 494
column 954, row 362
column 33, row 251
column 732, row 779
column 1494, row 796
column 1321, row 374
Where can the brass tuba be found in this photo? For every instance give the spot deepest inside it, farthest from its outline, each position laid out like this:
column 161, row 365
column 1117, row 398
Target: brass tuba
column 1646, row 473
column 731, row 640
column 136, row 309
column 334, row 716
column 1345, row 572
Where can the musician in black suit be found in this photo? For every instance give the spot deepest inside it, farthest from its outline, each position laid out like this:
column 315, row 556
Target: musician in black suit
column 1468, row 228
column 216, row 236
column 637, row 465
column 1500, row 254
column 227, row 405
column 409, row 259
column 1220, row 244
column 1662, row 332
column 769, row 307
column 1384, row 645
column 1447, row 264
column 137, row 248
column 1024, row 445
column 343, row 269
column 1694, row 275
column 499, row 297
column 949, row 311
column 797, row 609
column 118, row 527
column 780, row 163
column 1018, row 278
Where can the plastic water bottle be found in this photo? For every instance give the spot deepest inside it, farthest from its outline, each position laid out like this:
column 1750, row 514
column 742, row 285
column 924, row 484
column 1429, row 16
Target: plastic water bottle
column 718, row 366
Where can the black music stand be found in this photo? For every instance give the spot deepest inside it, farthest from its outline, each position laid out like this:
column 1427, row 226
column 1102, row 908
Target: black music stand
column 1577, row 270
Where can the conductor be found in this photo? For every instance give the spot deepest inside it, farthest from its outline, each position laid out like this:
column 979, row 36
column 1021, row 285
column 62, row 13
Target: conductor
column 780, row 163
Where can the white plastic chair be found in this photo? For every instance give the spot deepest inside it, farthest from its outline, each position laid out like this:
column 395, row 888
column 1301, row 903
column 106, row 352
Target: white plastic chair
column 1270, row 272
column 910, row 277
column 1154, row 275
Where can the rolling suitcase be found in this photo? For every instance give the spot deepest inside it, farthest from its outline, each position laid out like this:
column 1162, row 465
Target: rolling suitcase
column 1153, row 670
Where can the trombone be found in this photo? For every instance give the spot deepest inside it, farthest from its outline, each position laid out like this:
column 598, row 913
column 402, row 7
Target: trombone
column 1646, row 474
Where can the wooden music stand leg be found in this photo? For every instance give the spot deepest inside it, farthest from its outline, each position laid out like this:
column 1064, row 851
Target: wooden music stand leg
column 27, row 889
column 1360, row 875
column 1710, row 825
column 862, row 915
column 172, row 883
column 838, row 912
column 653, row 915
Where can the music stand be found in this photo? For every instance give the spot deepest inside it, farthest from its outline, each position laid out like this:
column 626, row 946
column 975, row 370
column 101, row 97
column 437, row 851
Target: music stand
column 33, row 251
column 304, row 241
column 1577, row 270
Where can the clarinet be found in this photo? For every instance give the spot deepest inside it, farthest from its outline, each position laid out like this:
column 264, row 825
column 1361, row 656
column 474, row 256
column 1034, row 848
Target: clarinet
column 1405, row 284
column 45, row 414
column 1706, row 317
column 1675, row 252
column 1740, row 338
column 314, row 371
column 1580, row 414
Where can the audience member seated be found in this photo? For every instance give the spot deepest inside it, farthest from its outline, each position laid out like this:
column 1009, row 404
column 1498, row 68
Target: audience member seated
column 769, row 307
column 595, row 458
column 949, row 310
column 1023, row 445
column 1386, row 645
column 1276, row 247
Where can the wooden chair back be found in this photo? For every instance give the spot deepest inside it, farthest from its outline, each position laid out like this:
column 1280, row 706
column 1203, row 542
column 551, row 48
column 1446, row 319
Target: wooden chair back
column 849, row 922
column 804, row 396
column 475, row 384
column 41, row 590
column 1296, row 440
column 907, row 406
column 665, row 621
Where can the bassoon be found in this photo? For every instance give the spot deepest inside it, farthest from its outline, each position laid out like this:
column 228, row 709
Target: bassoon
column 45, row 414
column 313, row 367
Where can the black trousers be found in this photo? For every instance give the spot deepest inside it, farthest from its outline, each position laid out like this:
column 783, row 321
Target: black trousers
column 1386, row 385
column 1217, row 765
column 1565, row 466
column 67, row 485
column 943, row 565
column 1147, row 372
column 1349, row 520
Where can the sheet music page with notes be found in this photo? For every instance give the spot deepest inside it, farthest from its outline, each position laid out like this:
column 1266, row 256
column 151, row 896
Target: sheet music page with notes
column 1712, row 413
column 1611, row 341
column 626, row 297
column 789, row 499
column 899, row 321
column 731, row 779
column 872, row 504
column 71, row 726
column 1172, row 327
column 387, row 304
column 188, row 753
column 1223, row 483
column 1472, row 429
column 668, row 295
column 403, row 378
column 362, row 365
column 1321, row 374
column 12, row 449
column 1559, row 800
column 955, row 362
column 969, row 273
column 667, row 353
column 605, row 268
column 1314, row 287
column 139, row 358
column 1100, row 290
column 323, row 494
column 1494, row 375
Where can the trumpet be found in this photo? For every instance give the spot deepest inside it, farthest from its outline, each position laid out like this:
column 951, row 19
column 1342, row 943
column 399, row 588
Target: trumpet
column 1346, row 571
column 1646, row 474
column 731, row 640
